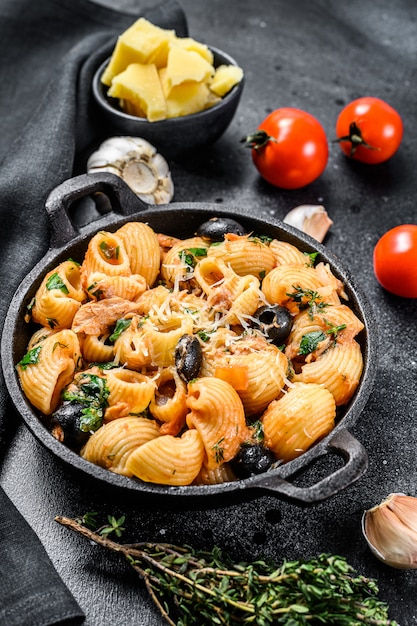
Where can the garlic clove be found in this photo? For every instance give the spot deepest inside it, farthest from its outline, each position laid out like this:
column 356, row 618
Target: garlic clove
column 311, row 219
column 390, row 530
column 139, row 164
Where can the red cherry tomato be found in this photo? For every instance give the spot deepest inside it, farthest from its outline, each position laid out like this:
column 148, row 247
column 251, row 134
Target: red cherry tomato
column 369, row 130
column 395, row 261
column 289, row 149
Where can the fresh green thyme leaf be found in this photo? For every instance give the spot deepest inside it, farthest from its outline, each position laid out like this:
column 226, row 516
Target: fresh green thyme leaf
column 55, row 282
column 114, row 526
column 308, row 299
column 193, row 586
column 31, row 358
column 218, row 450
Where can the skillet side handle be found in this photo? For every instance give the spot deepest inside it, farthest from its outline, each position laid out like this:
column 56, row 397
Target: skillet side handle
column 356, row 462
column 59, row 201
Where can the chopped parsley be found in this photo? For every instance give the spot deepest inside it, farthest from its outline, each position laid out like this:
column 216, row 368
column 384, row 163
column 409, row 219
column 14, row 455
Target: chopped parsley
column 109, row 252
column 190, row 256
column 30, row 358
column 310, row 341
column 121, row 325
column 55, row 282
column 91, row 392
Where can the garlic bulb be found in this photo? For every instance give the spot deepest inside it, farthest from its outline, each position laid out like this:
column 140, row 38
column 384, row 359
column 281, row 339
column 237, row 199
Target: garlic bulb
column 311, row 219
column 390, row 530
column 139, row 164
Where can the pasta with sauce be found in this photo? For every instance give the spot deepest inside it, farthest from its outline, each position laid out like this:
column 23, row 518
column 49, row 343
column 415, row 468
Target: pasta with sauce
column 109, row 343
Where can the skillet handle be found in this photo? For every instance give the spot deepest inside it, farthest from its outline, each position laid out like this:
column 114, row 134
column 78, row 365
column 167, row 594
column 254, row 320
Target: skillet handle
column 59, row 201
column 344, row 444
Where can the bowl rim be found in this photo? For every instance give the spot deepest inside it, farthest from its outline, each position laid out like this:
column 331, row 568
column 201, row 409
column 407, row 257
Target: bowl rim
column 105, row 101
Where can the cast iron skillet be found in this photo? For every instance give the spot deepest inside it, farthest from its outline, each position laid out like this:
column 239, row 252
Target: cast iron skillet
column 182, row 220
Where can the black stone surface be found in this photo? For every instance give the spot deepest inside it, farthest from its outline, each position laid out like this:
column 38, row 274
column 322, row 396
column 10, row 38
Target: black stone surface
column 317, row 56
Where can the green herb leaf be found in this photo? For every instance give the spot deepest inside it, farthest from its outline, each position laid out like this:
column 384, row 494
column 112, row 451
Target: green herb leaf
column 30, row 358
column 310, row 341
column 55, row 282
column 121, row 325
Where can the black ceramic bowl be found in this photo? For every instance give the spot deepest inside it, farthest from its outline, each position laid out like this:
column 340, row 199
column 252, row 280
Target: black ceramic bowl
column 177, row 136
column 182, row 220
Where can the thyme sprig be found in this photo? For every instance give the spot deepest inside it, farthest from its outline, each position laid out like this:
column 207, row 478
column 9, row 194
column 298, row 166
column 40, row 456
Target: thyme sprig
column 196, row 587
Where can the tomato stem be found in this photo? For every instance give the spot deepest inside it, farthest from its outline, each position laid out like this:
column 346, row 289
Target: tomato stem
column 355, row 138
column 257, row 140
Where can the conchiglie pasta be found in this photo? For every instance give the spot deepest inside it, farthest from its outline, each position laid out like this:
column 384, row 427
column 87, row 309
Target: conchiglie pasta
column 286, row 254
column 220, row 474
column 296, row 287
column 169, row 460
column 142, row 247
column 180, row 260
column 294, row 422
column 168, row 404
column 335, row 322
column 235, row 296
column 130, row 393
column 162, row 339
column 59, row 297
column 126, row 287
column 244, row 255
column 216, row 411
column 106, row 254
column 112, row 444
column 48, row 368
column 265, row 366
column 338, row 369
column 96, row 349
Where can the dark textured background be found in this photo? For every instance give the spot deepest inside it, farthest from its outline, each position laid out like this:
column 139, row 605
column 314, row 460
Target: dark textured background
column 315, row 55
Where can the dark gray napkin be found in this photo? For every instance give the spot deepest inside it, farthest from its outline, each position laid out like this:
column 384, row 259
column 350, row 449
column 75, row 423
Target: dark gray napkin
column 49, row 51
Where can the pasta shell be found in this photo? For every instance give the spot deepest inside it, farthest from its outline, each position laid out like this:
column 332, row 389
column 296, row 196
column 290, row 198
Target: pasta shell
column 142, row 247
column 168, row 403
column 95, row 349
column 105, row 254
column 244, row 255
column 287, row 254
column 126, row 287
column 179, row 261
column 338, row 369
column 44, row 378
column 294, row 422
column 216, row 411
column 293, row 286
column 169, row 460
column 130, row 391
column 59, row 297
column 112, row 444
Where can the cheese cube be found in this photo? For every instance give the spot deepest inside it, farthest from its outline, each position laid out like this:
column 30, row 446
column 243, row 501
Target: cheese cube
column 140, row 85
column 185, row 65
column 184, row 99
column 188, row 43
column 142, row 43
column 226, row 77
